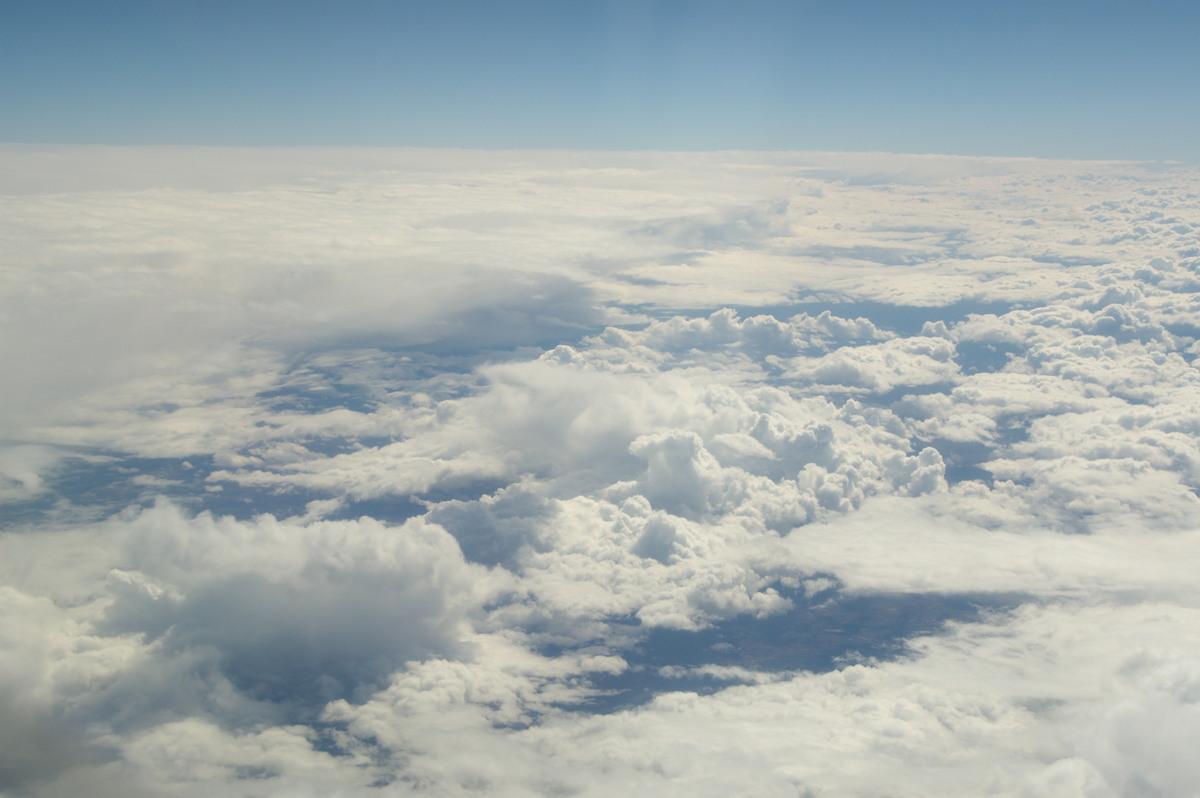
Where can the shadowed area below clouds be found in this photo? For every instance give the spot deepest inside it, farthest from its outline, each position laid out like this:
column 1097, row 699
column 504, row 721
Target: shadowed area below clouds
column 819, row 634
column 468, row 311
column 92, row 484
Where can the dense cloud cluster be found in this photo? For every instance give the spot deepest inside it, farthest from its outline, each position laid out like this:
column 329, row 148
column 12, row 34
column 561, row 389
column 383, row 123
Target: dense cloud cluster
column 425, row 473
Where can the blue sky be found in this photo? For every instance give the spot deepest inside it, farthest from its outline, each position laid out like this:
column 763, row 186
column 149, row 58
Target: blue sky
column 1050, row 79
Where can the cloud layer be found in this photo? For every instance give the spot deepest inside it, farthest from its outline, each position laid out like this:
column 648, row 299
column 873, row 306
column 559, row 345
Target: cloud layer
column 430, row 473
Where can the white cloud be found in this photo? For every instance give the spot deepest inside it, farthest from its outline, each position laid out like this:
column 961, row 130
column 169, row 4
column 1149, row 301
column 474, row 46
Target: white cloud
column 23, row 470
column 881, row 367
column 527, row 415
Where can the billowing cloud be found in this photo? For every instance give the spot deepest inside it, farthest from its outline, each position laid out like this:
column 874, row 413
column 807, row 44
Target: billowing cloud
column 360, row 472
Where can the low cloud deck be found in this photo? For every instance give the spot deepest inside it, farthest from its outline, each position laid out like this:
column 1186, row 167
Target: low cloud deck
column 373, row 472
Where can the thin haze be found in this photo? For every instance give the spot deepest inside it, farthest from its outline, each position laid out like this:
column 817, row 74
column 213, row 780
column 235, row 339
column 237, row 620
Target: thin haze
column 1093, row 80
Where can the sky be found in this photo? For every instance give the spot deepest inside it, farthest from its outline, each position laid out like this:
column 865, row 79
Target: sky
column 1094, row 80
column 586, row 399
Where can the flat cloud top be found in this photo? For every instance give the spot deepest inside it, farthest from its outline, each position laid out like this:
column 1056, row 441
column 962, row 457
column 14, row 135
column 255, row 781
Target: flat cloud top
column 391, row 472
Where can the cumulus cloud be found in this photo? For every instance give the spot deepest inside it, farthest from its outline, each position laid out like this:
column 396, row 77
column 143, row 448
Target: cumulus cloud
column 389, row 472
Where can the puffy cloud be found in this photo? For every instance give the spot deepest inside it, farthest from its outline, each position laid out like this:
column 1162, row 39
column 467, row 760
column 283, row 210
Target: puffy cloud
column 882, row 367
column 295, row 611
column 234, row 623
column 523, row 417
